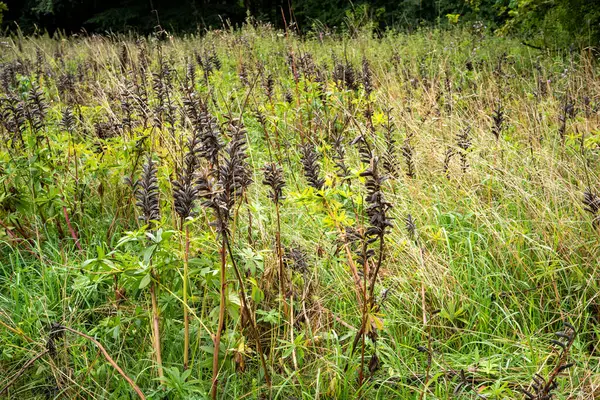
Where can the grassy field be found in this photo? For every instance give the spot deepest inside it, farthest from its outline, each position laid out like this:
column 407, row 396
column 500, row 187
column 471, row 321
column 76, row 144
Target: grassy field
column 408, row 217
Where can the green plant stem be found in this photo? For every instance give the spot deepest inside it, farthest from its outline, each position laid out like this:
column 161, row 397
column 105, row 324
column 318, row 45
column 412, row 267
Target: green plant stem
column 280, row 255
column 379, row 262
column 246, row 309
column 368, row 302
column 364, row 314
column 155, row 327
column 217, row 341
column 186, row 322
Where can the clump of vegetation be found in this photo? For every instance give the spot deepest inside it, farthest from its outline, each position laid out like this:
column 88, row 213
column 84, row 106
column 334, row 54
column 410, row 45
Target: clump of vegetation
column 255, row 214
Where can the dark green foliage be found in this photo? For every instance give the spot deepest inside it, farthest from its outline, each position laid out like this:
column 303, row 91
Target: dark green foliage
column 3, row 8
column 121, row 16
column 555, row 23
column 544, row 23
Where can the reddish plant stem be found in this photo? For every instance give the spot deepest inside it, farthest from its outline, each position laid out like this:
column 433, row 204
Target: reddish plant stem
column 73, row 233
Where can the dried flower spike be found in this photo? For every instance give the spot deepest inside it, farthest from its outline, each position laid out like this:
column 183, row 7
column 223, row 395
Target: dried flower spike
column 463, row 141
column 147, row 194
column 311, row 167
column 411, row 226
column 186, row 187
column 592, row 205
column 274, row 179
column 408, row 154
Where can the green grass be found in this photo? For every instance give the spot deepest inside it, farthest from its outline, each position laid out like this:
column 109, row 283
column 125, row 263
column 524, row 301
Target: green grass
column 505, row 250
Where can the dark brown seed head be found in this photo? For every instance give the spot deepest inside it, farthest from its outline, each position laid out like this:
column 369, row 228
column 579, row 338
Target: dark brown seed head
column 411, row 226
column 147, row 194
column 463, row 141
column 367, row 78
column 274, row 179
column 498, row 118
column 233, row 177
column 408, row 154
column 592, row 205
column 377, row 208
column 339, row 155
column 312, row 169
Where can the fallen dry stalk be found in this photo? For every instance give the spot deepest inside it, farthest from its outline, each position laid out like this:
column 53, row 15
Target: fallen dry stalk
column 108, row 358
column 22, row 370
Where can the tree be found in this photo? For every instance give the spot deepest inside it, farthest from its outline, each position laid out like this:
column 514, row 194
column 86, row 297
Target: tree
column 3, row 8
column 558, row 23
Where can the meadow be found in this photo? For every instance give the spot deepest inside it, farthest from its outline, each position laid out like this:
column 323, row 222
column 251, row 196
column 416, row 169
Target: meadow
column 252, row 214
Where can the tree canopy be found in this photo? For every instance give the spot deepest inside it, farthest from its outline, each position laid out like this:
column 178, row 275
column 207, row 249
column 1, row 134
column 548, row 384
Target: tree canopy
column 543, row 23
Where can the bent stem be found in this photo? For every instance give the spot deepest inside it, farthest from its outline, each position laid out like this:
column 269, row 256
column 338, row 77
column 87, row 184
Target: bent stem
column 108, row 358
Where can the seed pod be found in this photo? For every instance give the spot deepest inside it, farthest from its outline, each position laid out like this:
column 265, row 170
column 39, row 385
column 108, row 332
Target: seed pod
column 274, row 179
column 311, row 167
column 147, row 194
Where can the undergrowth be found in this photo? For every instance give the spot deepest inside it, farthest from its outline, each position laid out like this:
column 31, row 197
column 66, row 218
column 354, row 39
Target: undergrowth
column 251, row 214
